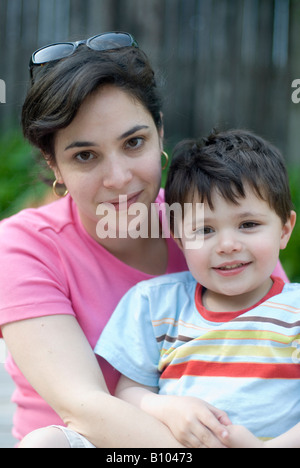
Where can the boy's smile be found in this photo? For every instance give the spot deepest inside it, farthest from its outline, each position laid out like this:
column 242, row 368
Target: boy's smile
column 240, row 251
column 231, row 268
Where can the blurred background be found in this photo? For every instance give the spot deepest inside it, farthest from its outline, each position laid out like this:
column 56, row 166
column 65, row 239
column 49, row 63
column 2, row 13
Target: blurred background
column 220, row 64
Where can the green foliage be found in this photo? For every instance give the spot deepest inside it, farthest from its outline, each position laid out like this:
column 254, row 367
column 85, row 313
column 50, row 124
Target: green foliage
column 19, row 171
column 291, row 255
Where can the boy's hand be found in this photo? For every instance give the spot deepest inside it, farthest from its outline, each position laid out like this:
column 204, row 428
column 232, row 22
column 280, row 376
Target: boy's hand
column 195, row 423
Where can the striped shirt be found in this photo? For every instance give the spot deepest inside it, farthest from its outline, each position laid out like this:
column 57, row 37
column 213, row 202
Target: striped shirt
column 245, row 363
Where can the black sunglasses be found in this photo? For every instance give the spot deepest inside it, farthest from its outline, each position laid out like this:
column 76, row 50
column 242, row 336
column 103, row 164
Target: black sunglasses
column 102, row 42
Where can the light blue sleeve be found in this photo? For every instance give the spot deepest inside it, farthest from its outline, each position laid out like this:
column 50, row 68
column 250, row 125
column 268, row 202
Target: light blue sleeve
column 128, row 341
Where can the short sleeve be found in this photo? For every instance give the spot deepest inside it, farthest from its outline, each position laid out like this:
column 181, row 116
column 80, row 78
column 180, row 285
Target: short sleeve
column 128, row 341
column 32, row 280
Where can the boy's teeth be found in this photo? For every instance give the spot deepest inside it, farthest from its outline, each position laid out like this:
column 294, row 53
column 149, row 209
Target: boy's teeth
column 231, row 267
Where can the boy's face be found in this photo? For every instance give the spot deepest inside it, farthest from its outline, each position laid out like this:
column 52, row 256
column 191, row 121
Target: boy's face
column 240, row 251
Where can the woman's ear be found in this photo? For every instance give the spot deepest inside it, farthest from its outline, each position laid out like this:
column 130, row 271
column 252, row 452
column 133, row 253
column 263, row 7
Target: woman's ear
column 287, row 230
column 54, row 168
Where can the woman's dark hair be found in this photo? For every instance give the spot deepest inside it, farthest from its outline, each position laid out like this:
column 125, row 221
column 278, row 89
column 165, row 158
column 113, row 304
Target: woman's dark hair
column 60, row 87
column 227, row 162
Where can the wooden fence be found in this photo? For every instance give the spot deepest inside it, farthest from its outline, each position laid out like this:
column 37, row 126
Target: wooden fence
column 222, row 63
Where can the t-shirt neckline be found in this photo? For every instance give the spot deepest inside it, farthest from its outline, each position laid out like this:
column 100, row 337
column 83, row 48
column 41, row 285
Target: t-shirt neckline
column 277, row 287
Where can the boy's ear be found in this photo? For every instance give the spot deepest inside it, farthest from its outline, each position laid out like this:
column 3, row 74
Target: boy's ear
column 287, row 230
column 178, row 241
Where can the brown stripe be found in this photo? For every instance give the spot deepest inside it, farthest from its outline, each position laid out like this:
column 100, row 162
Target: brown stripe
column 172, row 339
column 267, row 320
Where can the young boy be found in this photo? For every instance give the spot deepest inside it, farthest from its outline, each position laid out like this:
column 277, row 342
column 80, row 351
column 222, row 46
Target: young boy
column 227, row 331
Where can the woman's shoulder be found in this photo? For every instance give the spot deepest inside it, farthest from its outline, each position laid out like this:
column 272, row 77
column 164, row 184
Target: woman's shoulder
column 54, row 216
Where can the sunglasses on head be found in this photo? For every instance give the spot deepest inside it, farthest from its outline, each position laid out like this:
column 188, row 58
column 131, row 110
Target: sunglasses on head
column 102, row 42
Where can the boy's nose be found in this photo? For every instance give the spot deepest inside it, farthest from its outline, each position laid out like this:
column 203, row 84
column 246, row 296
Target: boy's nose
column 228, row 243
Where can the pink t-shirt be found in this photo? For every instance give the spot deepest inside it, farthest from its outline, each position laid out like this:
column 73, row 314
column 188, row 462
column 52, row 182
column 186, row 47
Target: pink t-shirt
column 51, row 266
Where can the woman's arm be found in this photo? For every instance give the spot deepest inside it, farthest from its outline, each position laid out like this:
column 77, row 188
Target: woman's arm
column 193, row 422
column 54, row 355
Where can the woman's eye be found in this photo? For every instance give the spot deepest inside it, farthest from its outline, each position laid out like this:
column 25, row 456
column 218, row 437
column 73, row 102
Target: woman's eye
column 84, row 156
column 134, row 143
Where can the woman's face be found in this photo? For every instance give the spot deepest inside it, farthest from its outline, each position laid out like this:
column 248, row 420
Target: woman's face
column 111, row 148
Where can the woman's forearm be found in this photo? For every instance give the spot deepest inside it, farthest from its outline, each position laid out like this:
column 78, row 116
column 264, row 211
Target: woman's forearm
column 55, row 357
column 108, row 422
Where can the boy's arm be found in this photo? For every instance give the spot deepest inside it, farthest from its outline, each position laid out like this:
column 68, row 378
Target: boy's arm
column 240, row 437
column 193, row 422
column 290, row 439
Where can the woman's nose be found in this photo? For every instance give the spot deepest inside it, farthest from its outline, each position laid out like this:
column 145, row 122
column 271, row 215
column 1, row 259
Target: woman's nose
column 116, row 174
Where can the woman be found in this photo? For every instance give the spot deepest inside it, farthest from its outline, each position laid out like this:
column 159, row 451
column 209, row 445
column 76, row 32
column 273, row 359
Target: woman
column 94, row 112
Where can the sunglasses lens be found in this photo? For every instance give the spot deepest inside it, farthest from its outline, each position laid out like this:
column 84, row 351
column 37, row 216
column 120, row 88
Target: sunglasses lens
column 110, row 41
column 52, row 52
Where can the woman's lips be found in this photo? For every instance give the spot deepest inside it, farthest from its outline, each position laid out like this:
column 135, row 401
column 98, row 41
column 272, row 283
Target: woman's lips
column 123, row 202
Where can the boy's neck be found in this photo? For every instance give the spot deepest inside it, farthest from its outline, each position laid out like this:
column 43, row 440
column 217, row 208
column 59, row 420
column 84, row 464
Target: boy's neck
column 216, row 302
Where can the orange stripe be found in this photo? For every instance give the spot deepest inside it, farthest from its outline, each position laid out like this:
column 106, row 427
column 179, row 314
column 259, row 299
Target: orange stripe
column 285, row 307
column 232, row 369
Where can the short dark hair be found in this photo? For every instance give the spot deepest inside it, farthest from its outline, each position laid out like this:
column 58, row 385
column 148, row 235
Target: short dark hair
column 59, row 88
column 226, row 161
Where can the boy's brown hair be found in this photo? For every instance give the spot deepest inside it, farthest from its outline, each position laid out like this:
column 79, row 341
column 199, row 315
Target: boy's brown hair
column 227, row 161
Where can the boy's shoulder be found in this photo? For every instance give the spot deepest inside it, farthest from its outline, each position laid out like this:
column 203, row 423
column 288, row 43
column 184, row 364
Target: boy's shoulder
column 289, row 297
column 289, row 287
column 172, row 279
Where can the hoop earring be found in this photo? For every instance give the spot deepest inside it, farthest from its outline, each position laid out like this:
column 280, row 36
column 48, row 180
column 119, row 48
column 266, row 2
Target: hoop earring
column 167, row 160
column 59, row 195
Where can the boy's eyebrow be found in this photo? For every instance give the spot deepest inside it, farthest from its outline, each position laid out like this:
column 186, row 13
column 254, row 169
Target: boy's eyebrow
column 251, row 214
column 242, row 215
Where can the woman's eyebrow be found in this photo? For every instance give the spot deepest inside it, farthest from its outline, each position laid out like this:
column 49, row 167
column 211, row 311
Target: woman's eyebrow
column 80, row 144
column 132, row 131
column 83, row 144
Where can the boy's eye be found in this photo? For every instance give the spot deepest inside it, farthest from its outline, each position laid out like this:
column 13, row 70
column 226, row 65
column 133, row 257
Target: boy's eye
column 249, row 225
column 205, row 230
